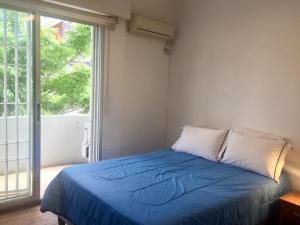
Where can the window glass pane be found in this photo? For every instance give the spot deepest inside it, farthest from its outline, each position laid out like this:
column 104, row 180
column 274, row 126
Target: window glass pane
column 23, row 176
column 12, row 169
column 10, row 76
column 22, row 89
column 24, row 150
column 1, row 27
column 15, row 123
column 11, row 110
column 1, row 84
column 14, row 57
column 2, row 151
column 11, row 123
column 2, row 124
column 12, row 151
column 23, row 128
column 22, row 111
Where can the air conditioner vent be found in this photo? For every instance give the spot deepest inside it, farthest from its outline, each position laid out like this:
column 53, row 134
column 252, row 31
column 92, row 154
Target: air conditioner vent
column 151, row 27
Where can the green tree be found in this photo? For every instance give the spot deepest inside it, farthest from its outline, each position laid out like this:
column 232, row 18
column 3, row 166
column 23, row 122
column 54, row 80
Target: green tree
column 65, row 67
column 65, row 71
column 10, row 68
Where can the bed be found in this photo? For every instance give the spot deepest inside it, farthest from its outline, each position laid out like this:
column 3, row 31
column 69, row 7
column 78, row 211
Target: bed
column 162, row 188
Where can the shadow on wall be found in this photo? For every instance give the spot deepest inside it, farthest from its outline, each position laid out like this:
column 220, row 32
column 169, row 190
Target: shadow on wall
column 292, row 167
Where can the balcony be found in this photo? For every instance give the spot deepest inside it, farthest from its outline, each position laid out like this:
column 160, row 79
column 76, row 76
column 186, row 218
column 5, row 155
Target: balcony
column 61, row 137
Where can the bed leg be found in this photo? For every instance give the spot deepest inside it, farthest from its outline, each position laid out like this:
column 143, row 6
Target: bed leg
column 60, row 221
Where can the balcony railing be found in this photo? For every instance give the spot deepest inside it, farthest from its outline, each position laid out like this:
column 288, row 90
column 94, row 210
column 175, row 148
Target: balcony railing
column 61, row 137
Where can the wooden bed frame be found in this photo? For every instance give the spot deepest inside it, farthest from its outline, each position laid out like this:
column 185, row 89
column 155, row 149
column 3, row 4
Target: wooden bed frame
column 64, row 221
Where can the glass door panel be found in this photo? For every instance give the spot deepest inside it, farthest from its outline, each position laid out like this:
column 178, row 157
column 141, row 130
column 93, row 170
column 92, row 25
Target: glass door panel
column 16, row 108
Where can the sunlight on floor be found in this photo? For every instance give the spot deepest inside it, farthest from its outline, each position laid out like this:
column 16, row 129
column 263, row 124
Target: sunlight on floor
column 47, row 175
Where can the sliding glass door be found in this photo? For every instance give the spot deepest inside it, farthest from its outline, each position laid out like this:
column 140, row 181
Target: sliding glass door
column 65, row 54
column 18, row 106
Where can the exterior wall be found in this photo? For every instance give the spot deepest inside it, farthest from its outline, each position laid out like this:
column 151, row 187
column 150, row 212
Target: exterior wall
column 61, row 138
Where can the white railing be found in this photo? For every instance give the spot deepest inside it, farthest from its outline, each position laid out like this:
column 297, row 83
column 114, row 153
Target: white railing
column 61, row 137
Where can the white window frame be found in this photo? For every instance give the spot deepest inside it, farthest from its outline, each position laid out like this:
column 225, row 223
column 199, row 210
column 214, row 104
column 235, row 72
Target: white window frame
column 99, row 31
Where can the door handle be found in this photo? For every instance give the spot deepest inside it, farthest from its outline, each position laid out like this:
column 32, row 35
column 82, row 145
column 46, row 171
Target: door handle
column 38, row 111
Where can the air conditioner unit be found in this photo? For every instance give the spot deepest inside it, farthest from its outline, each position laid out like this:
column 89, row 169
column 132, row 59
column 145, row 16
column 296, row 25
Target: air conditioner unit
column 151, row 27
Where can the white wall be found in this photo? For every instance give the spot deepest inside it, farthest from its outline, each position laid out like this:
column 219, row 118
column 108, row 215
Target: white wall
column 159, row 9
column 61, row 137
column 237, row 63
column 135, row 110
column 12, row 136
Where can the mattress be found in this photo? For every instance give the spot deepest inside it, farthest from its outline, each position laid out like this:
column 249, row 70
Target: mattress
column 162, row 188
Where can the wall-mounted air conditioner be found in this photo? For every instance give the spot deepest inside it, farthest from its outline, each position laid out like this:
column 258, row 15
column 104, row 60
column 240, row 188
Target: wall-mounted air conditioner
column 151, row 27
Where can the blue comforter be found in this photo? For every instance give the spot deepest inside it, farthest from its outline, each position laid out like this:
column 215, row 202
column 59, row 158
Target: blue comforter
column 161, row 188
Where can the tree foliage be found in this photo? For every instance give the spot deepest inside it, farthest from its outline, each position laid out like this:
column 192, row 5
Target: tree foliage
column 65, row 70
column 10, row 68
column 65, row 66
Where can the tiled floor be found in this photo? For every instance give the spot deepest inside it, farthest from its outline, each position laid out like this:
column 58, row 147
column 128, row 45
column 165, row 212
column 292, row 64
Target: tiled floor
column 47, row 174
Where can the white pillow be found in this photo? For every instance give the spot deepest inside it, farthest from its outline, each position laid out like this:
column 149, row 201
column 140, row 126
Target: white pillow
column 259, row 134
column 254, row 133
column 201, row 142
column 259, row 154
column 264, row 135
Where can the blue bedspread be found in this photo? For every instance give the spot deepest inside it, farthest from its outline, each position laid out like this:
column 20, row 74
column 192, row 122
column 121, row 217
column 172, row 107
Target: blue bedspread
column 161, row 188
